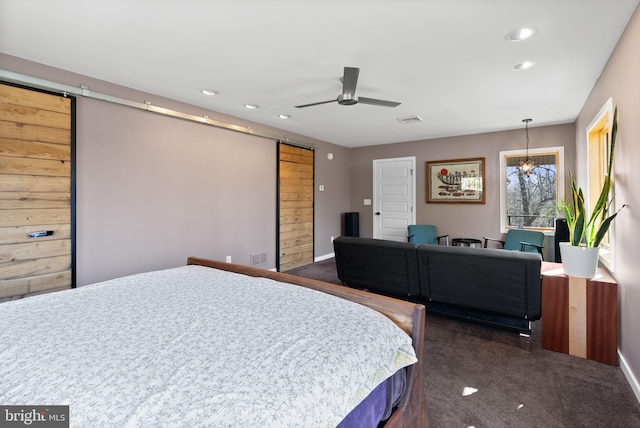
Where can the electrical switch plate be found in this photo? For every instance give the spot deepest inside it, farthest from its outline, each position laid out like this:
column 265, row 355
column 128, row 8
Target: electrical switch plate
column 367, row 201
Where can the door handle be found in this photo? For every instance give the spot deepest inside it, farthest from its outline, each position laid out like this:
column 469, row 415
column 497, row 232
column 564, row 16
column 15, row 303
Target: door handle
column 41, row 234
column 378, row 213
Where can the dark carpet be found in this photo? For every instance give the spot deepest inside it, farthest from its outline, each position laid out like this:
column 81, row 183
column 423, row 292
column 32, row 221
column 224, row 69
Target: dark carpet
column 478, row 376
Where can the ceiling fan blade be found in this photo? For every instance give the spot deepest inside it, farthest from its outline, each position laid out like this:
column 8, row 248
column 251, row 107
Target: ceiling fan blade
column 375, row 102
column 350, row 80
column 315, row 104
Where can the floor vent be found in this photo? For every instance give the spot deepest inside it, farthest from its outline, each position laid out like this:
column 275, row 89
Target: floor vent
column 258, row 259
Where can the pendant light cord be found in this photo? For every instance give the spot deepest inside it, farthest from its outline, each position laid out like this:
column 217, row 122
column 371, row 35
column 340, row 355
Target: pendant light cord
column 526, row 130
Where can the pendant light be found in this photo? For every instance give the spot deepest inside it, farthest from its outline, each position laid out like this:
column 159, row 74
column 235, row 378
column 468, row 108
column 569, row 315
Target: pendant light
column 527, row 166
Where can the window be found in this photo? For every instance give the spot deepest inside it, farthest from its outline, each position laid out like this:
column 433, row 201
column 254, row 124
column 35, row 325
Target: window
column 530, row 201
column 598, row 155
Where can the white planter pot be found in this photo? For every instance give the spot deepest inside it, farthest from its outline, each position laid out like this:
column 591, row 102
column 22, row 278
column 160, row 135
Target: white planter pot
column 581, row 262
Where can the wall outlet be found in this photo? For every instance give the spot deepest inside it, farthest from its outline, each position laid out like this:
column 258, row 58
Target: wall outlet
column 228, row 259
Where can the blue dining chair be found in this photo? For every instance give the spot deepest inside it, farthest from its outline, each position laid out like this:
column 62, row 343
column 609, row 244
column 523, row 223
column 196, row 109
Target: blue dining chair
column 529, row 241
column 425, row 234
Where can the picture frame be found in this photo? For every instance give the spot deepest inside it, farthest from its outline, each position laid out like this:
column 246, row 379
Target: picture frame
column 455, row 181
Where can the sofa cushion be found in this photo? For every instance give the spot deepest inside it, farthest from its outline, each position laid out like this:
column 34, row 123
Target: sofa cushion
column 493, row 280
column 382, row 266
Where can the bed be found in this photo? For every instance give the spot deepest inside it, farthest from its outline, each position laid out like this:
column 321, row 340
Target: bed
column 219, row 345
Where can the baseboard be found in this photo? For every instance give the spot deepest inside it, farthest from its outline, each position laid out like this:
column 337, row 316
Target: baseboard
column 325, row 257
column 635, row 386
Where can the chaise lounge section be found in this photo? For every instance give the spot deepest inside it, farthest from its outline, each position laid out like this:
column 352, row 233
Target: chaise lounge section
column 496, row 287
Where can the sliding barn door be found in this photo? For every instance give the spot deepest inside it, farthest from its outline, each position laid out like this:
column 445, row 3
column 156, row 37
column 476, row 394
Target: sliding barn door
column 35, row 192
column 295, row 184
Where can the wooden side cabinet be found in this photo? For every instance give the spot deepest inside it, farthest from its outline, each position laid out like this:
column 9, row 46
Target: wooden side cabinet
column 580, row 316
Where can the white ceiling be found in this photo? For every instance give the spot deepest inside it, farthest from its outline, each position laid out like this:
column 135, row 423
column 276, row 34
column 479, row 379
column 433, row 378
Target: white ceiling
column 446, row 61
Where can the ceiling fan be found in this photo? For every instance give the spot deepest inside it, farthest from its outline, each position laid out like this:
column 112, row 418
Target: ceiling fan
column 348, row 96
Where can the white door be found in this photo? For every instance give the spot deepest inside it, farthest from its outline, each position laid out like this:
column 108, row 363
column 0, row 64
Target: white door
column 394, row 196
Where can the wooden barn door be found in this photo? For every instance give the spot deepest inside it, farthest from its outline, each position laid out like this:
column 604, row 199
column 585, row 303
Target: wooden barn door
column 295, row 227
column 35, row 192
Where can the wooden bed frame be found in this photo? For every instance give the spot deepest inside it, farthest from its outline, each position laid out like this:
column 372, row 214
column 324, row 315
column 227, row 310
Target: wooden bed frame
column 411, row 412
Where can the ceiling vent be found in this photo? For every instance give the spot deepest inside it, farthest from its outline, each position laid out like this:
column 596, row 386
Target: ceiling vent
column 410, row 119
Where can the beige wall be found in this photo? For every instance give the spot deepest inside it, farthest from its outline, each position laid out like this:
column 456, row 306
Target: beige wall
column 153, row 189
column 620, row 81
column 333, row 202
column 457, row 220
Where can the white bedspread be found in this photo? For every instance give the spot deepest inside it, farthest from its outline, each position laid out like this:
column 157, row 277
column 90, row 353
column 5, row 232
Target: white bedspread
column 195, row 346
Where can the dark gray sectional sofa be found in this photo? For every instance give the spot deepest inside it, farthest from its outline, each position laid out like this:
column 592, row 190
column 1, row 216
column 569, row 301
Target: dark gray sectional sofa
column 491, row 286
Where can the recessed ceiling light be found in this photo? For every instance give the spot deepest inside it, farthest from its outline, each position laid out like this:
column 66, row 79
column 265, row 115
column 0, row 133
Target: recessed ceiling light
column 209, row 92
column 524, row 65
column 520, row 34
column 252, row 106
column 284, row 116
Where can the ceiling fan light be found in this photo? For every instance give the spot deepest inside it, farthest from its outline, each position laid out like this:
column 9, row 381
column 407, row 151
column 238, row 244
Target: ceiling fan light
column 209, row 92
column 251, row 106
column 347, row 99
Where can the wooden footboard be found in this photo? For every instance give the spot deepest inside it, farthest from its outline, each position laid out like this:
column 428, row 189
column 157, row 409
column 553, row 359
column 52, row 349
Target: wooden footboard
column 412, row 410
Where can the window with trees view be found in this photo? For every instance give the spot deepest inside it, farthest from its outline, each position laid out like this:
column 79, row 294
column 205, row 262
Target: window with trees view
column 598, row 146
column 530, row 200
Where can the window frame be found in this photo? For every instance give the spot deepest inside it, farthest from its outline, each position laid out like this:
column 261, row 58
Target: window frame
column 560, row 182
column 597, row 148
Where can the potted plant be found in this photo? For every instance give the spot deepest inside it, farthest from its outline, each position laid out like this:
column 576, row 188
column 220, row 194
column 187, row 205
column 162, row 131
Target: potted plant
column 586, row 230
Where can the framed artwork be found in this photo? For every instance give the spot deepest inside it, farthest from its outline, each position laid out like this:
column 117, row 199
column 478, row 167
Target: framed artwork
column 456, row 181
